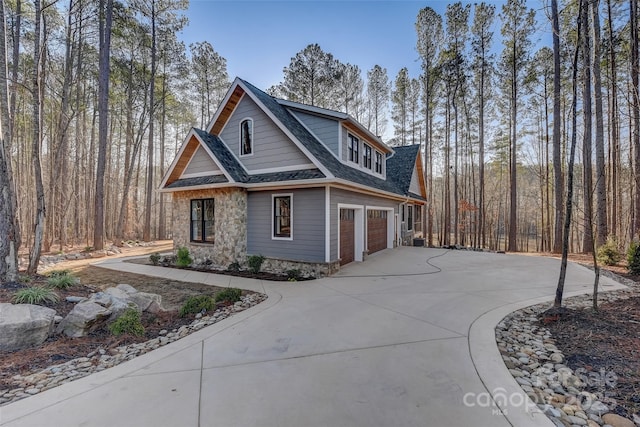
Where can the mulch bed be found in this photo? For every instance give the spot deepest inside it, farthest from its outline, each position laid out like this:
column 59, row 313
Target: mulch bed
column 604, row 346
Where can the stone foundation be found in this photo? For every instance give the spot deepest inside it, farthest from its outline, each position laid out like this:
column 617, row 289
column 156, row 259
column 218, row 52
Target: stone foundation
column 230, row 212
column 307, row 269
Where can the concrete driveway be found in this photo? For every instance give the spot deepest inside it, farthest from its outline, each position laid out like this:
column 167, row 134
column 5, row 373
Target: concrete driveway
column 403, row 339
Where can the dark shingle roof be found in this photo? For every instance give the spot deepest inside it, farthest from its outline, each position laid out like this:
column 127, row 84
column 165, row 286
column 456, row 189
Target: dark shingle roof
column 286, row 176
column 201, row 180
column 320, row 152
column 400, row 166
column 224, row 156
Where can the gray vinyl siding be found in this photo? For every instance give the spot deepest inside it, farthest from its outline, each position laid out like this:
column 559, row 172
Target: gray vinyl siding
column 308, row 244
column 201, row 162
column 326, row 130
column 349, row 197
column 271, row 147
column 414, row 186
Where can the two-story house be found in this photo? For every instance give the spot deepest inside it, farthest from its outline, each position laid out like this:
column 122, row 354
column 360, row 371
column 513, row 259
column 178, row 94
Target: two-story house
column 306, row 187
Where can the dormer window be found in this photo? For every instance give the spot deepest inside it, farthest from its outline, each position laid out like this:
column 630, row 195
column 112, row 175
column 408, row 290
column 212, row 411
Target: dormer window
column 354, row 149
column 246, row 137
column 378, row 162
column 366, row 156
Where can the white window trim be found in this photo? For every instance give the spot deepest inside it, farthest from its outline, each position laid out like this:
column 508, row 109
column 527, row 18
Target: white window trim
column 364, row 158
column 373, row 161
column 273, row 200
column 357, row 155
column 253, row 139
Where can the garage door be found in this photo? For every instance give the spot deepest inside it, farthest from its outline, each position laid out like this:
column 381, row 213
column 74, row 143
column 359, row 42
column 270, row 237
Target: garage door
column 347, row 236
column 376, row 230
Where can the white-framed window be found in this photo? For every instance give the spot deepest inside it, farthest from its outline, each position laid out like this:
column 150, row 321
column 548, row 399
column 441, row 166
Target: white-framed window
column 246, row 137
column 282, row 217
column 366, row 156
column 354, row 149
column 378, row 164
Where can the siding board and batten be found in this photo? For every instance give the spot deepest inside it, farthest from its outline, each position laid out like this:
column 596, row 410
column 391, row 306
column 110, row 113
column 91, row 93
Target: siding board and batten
column 326, row 130
column 271, row 147
column 200, row 163
column 308, row 226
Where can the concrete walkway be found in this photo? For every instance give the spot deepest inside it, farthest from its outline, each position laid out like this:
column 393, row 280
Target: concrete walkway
column 403, row 339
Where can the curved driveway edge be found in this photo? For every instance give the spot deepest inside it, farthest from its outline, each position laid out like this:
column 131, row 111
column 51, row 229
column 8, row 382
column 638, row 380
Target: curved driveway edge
column 405, row 338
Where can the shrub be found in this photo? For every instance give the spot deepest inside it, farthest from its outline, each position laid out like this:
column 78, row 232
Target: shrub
column 154, row 258
column 183, row 259
column 234, row 266
column 128, row 323
column 54, row 273
column 293, row 275
column 633, row 258
column 62, row 279
column 197, row 303
column 608, row 254
column 230, row 295
column 255, row 262
column 35, row 295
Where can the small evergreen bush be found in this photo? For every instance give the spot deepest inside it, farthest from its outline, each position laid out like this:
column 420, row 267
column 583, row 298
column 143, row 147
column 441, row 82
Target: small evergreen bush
column 128, row 323
column 255, row 262
column 608, row 254
column 183, row 259
column 62, row 279
column 294, row 275
column 35, row 295
column 234, row 266
column 154, row 258
column 229, row 295
column 197, row 303
column 633, row 258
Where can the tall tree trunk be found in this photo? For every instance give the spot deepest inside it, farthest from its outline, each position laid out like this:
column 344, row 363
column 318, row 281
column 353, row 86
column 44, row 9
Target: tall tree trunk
column 106, row 18
column 587, row 175
column 569, row 206
column 9, row 226
column 616, row 160
column 601, row 183
column 34, row 256
column 513, row 167
column 635, row 142
column 146, row 235
column 558, row 181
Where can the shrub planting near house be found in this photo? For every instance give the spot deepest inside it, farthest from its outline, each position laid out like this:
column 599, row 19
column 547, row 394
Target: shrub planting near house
column 234, row 266
column 128, row 323
column 183, row 258
column 230, row 295
column 293, row 275
column 196, row 304
column 255, row 263
column 154, row 258
column 35, row 295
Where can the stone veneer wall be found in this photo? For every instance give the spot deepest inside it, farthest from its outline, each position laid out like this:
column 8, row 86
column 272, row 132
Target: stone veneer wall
column 230, row 210
column 307, row 269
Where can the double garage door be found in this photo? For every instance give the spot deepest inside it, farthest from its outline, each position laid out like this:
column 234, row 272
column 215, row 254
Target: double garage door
column 376, row 233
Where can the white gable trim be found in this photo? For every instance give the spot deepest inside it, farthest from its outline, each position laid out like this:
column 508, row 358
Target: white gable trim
column 185, row 142
column 286, row 131
column 222, row 104
column 199, row 174
column 215, row 159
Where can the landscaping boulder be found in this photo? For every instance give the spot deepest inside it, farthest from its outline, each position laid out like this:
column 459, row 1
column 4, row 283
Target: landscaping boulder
column 117, row 302
column 85, row 317
column 147, row 302
column 24, row 325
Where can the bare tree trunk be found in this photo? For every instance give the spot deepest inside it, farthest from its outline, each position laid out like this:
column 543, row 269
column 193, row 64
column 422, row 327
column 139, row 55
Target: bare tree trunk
column 572, row 155
column 34, row 256
column 9, row 225
column 106, row 15
column 146, row 235
column 558, row 181
column 587, row 180
column 616, row 160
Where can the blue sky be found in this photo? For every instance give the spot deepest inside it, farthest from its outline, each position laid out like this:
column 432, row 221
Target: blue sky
column 258, row 38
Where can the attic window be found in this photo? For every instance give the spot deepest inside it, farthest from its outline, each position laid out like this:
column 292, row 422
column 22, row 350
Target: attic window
column 354, row 145
column 378, row 162
column 366, row 157
column 246, row 137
